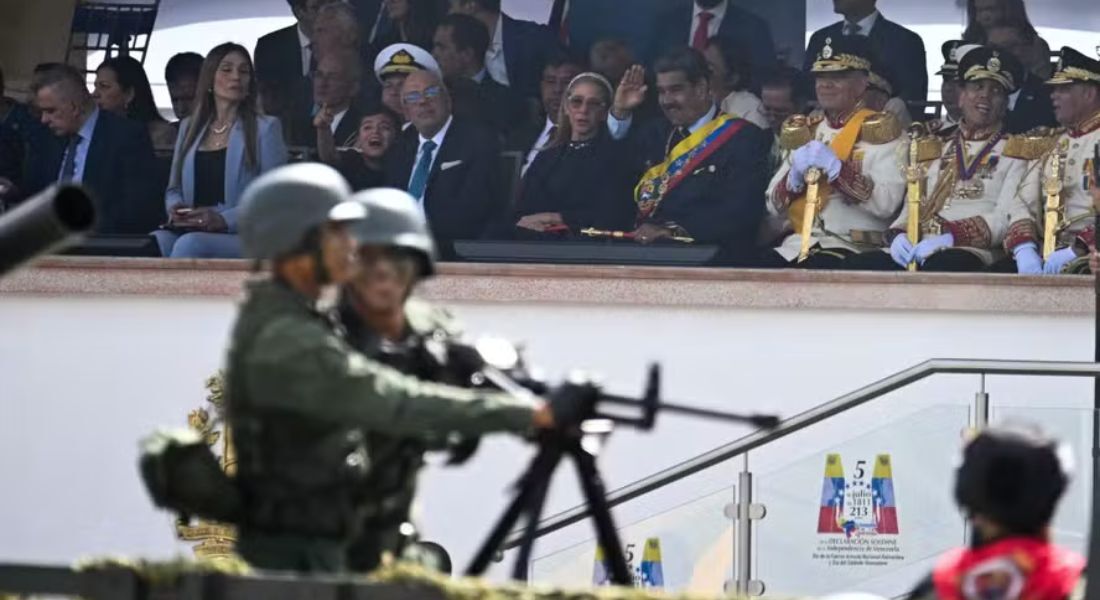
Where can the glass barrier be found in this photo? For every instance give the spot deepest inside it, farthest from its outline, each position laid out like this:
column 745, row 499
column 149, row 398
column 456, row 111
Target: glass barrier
column 868, row 513
column 685, row 549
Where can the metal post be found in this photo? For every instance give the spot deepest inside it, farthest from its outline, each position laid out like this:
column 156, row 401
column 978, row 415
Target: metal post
column 744, row 528
column 981, row 407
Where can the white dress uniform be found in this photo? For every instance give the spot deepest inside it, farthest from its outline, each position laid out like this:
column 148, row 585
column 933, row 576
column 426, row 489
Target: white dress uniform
column 972, row 196
column 865, row 198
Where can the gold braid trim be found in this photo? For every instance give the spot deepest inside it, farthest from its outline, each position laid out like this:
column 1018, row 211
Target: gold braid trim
column 1021, row 232
column 1032, row 145
column 972, row 232
column 881, row 128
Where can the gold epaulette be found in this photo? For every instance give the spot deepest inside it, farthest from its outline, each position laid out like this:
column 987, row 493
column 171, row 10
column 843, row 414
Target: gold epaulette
column 929, row 148
column 881, row 128
column 798, row 130
column 1033, row 144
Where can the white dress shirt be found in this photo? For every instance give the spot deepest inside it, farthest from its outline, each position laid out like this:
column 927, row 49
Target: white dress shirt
column 494, row 56
column 540, row 144
column 865, row 24
column 619, row 128
column 438, row 139
column 336, row 120
column 307, row 50
column 719, row 13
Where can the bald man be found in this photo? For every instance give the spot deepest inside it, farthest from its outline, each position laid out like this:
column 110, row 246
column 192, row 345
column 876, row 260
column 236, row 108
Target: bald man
column 448, row 164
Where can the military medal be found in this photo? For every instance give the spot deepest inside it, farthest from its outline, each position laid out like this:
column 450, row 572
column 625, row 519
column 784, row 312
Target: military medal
column 968, row 187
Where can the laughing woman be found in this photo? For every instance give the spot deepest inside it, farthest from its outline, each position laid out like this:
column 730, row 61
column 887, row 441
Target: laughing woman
column 221, row 148
column 582, row 179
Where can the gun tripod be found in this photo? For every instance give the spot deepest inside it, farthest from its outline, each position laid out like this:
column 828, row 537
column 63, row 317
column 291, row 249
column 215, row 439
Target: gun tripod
column 582, row 446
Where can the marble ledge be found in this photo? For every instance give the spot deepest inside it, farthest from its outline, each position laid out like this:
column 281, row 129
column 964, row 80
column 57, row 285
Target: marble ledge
column 599, row 285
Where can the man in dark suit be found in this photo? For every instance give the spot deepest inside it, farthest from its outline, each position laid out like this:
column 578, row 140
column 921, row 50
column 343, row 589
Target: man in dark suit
column 517, row 49
column 459, row 47
column 704, row 172
column 110, row 155
column 284, row 60
column 900, row 50
column 448, row 164
column 1030, row 106
column 335, row 85
column 693, row 22
column 374, row 20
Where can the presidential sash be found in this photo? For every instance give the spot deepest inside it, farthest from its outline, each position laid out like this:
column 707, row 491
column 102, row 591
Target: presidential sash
column 843, row 145
column 682, row 161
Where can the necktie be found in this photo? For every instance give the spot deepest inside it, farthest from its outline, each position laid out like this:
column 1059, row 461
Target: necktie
column 549, row 137
column 678, row 135
column 852, row 28
column 702, row 32
column 419, row 183
column 68, row 166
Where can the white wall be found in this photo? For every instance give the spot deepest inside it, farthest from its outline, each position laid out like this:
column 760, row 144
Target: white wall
column 84, row 378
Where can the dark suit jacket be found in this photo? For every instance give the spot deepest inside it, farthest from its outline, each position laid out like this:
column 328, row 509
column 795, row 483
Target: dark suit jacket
column 901, row 50
column 722, row 201
column 303, row 133
column 488, row 102
column 739, row 25
column 527, row 45
column 278, row 60
column 1033, row 107
column 463, row 199
column 120, row 173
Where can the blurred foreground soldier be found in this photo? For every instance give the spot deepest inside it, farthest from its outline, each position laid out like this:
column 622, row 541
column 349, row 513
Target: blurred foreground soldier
column 300, row 400
column 857, row 153
column 1067, row 161
column 387, row 325
column 1009, row 485
column 973, row 177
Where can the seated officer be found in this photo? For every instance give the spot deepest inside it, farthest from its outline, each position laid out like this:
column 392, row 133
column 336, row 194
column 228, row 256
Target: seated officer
column 1076, row 94
column 1009, row 485
column 973, row 176
column 857, row 150
column 704, row 171
column 393, row 64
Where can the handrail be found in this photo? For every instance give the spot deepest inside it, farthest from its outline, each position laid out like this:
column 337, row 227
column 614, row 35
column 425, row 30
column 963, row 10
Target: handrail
column 936, row 366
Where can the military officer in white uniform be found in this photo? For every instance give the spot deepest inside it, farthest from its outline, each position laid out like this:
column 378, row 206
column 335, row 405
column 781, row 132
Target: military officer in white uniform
column 1076, row 93
column 974, row 173
column 857, row 150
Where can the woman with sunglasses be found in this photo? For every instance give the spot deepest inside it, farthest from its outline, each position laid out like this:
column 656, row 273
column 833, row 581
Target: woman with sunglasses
column 581, row 180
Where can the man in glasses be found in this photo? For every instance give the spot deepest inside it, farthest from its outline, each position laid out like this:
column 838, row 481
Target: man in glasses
column 449, row 165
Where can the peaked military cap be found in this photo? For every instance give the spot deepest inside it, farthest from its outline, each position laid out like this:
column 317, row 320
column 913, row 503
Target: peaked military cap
column 1074, row 67
column 843, row 53
column 404, row 59
column 984, row 63
column 950, row 50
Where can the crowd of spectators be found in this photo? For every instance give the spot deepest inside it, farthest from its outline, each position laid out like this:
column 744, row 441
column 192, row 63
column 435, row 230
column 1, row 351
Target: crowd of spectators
column 503, row 129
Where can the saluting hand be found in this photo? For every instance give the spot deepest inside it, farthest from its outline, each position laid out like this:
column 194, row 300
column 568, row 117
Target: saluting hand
column 631, row 92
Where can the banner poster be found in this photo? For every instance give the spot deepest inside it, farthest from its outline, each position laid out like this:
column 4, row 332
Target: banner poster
column 686, row 549
column 857, row 521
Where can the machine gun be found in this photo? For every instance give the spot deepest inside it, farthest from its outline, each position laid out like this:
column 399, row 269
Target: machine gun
column 50, row 221
column 578, row 436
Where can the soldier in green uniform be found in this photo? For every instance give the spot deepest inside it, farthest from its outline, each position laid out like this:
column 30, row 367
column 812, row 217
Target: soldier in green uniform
column 299, row 398
column 387, row 325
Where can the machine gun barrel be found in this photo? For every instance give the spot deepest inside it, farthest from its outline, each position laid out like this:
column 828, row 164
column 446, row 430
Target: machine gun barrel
column 48, row 221
column 758, row 421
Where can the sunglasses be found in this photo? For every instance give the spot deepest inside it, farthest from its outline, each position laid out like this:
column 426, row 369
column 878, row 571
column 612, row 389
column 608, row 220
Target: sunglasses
column 418, row 97
column 579, row 102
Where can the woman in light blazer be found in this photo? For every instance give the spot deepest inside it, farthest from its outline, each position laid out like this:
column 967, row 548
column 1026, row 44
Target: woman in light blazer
column 221, row 148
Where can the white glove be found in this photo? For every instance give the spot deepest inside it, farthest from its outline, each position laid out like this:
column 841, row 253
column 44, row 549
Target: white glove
column 901, row 250
column 1057, row 260
column 930, row 245
column 801, row 161
column 1028, row 261
column 825, row 159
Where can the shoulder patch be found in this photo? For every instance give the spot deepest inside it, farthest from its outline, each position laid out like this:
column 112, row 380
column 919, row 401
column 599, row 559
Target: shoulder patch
column 797, row 131
column 881, row 128
column 1032, row 145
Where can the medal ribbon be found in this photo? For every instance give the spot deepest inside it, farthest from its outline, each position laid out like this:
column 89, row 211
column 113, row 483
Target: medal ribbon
column 967, row 171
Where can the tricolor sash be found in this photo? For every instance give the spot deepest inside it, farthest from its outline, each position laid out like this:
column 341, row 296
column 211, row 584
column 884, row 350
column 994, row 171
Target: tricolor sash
column 843, row 145
column 682, row 161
